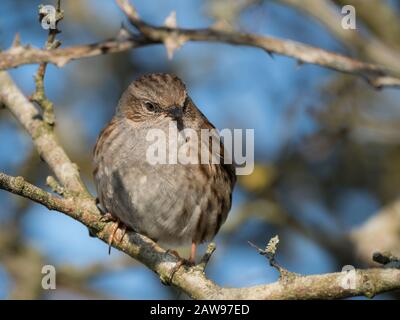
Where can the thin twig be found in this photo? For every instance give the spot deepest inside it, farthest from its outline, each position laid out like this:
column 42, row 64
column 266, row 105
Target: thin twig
column 377, row 76
column 51, row 43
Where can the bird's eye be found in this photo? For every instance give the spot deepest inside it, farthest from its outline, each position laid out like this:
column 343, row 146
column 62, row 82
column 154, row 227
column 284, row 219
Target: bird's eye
column 150, row 106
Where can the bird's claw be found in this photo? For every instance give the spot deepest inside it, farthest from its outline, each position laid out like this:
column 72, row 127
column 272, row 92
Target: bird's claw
column 108, row 217
column 181, row 262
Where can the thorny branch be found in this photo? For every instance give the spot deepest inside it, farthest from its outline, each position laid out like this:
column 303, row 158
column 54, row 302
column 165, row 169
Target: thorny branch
column 174, row 37
column 376, row 75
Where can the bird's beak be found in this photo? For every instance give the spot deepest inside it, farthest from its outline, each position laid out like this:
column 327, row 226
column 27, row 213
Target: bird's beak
column 175, row 112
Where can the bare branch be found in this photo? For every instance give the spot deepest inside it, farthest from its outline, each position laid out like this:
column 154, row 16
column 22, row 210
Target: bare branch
column 42, row 135
column 193, row 280
column 51, row 43
column 80, row 205
column 19, row 186
column 21, row 55
column 377, row 76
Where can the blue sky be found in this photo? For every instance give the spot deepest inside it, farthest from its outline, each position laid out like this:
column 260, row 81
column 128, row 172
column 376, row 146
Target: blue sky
column 236, row 87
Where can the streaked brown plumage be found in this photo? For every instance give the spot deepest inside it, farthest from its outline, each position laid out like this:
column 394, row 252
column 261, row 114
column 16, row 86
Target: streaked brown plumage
column 170, row 203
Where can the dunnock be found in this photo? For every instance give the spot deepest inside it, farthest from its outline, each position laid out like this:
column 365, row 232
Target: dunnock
column 177, row 203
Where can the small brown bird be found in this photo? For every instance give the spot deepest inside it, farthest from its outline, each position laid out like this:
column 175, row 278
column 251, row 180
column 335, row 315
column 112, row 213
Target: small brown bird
column 175, row 204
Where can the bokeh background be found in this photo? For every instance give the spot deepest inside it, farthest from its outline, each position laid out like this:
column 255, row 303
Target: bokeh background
column 327, row 146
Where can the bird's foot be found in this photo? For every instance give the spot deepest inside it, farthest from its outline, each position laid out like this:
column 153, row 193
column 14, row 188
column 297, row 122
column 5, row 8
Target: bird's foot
column 182, row 262
column 187, row 262
column 108, row 217
column 105, row 217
